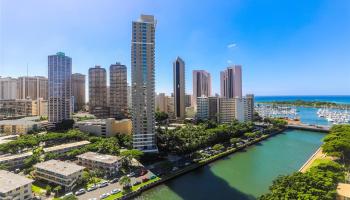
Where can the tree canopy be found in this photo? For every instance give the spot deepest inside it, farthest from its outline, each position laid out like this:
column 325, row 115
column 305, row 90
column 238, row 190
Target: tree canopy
column 318, row 183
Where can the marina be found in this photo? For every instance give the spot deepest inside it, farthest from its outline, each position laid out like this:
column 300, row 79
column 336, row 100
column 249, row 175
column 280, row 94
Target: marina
column 334, row 116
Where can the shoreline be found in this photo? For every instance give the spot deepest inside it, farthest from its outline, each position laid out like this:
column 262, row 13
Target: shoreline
column 308, row 163
column 195, row 166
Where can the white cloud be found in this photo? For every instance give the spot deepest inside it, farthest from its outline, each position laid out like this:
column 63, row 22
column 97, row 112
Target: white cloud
column 232, row 45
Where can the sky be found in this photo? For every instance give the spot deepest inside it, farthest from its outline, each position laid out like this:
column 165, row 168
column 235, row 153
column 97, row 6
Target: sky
column 285, row 47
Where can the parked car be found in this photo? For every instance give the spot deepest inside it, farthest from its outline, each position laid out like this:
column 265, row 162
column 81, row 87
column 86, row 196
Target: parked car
column 80, row 192
column 115, row 191
column 93, row 199
column 68, row 194
column 143, row 172
column 103, row 184
column 113, row 180
column 131, row 174
column 93, row 187
column 136, row 183
column 153, row 177
column 103, row 196
column 145, row 179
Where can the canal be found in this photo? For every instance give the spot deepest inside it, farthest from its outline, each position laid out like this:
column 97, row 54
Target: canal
column 242, row 175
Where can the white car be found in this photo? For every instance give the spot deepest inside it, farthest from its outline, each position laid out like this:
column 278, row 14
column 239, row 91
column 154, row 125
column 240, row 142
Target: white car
column 93, row 199
column 103, row 196
column 115, row 191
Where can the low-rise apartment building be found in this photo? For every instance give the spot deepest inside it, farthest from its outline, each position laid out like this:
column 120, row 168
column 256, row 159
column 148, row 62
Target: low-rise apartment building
column 14, row 186
column 21, row 126
column 105, row 127
column 23, row 107
column 17, row 160
column 107, row 163
column 59, row 172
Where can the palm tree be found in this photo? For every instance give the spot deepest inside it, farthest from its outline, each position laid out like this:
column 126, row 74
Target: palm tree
column 57, row 189
column 124, row 181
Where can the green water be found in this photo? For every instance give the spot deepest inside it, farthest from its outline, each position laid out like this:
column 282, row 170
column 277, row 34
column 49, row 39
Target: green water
column 243, row 175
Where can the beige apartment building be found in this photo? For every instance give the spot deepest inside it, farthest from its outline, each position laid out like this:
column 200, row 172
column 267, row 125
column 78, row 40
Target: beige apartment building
column 107, row 163
column 98, row 92
column 17, row 160
column 59, row 172
column 78, row 91
column 14, row 186
column 8, row 88
column 118, row 94
column 105, row 127
column 20, row 126
column 23, row 107
column 32, row 87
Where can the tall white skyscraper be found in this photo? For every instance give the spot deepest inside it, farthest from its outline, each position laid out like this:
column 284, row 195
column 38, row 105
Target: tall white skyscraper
column 179, row 88
column 231, row 82
column 60, row 93
column 142, row 83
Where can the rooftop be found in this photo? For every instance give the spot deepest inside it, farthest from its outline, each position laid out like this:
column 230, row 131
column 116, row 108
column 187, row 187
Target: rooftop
column 103, row 158
column 63, row 146
column 59, row 167
column 48, row 149
column 29, row 121
column 343, row 189
column 10, row 181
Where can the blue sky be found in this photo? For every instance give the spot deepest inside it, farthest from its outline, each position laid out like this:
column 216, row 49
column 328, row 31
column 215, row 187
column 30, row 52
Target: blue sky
column 293, row 47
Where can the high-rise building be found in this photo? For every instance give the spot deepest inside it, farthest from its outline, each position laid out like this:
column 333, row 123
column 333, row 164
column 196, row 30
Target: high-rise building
column 201, row 85
column 202, row 108
column 179, row 88
column 161, row 102
column 60, row 74
column 143, row 86
column 249, row 107
column 8, row 88
column 32, row 87
column 188, row 100
column 231, row 82
column 129, row 97
column 213, row 108
column 98, row 92
column 118, row 101
column 171, row 107
column 78, row 91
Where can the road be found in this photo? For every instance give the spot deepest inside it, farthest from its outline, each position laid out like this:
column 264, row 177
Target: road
column 109, row 188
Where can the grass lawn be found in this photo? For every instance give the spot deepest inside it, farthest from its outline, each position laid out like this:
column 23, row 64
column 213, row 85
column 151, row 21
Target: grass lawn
column 134, row 188
column 38, row 190
column 319, row 161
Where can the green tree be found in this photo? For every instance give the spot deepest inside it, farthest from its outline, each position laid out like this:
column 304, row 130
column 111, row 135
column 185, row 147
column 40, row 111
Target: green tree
column 128, row 155
column 218, row 147
column 57, row 189
column 48, row 190
column 125, row 181
column 234, row 141
column 337, row 142
column 161, row 117
column 318, row 183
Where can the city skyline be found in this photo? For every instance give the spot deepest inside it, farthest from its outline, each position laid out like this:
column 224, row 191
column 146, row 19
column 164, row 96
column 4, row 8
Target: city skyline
column 267, row 40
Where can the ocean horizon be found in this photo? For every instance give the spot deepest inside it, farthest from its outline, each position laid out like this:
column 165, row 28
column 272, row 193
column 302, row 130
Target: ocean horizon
column 340, row 99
